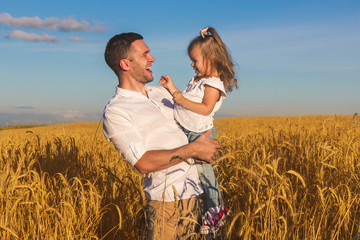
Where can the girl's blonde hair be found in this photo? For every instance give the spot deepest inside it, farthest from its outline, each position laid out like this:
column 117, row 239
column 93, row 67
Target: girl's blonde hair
column 214, row 52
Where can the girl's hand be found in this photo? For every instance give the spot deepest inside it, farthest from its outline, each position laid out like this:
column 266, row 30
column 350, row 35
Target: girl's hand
column 163, row 81
column 178, row 97
column 167, row 82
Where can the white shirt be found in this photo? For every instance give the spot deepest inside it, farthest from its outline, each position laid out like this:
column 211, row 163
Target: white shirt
column 195, row 92
column 136, row 124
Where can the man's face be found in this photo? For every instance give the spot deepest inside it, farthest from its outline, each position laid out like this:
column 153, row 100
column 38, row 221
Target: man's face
column 141, row 60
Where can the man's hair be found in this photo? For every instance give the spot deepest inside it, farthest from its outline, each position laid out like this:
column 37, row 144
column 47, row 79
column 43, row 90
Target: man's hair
column 118, row 47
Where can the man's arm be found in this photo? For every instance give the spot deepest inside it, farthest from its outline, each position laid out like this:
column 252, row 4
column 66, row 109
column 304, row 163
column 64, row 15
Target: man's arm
column 203, row 148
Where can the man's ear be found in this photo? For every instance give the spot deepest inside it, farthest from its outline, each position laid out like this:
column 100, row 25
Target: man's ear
column 124, row 64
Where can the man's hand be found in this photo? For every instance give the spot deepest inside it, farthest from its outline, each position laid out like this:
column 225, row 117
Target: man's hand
column 207, row 148
column 203, row 148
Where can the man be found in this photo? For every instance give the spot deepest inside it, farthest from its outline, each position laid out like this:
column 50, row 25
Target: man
column 139, row 121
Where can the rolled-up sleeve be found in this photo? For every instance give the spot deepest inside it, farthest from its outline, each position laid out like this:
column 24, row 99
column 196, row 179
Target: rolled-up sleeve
column 124, row 135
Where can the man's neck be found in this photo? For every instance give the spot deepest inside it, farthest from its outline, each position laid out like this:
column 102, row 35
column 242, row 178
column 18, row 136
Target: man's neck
column 134, row 86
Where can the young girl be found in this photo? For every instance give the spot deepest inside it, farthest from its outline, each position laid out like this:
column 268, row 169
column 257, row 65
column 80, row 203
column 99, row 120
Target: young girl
column 195, row 107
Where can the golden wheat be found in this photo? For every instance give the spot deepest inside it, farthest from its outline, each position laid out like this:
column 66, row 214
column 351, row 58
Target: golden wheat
column 282, row 177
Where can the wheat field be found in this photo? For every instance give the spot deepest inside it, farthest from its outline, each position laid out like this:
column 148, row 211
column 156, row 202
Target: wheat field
column 282, row 177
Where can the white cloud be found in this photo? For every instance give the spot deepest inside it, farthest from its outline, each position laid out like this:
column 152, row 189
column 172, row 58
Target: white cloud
column 74, row 115
column 77, row 39
column 48, row 117
column 64, row 25
column 32, row 36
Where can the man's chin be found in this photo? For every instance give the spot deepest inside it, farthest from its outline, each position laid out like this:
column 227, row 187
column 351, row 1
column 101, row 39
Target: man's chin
column 148, row 80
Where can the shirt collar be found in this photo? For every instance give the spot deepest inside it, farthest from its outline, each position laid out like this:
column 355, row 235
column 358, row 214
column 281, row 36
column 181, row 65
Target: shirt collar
column 128, row 93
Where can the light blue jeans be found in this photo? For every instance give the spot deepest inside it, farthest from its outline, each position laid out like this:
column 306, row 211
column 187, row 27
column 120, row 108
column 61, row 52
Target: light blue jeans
column 206, row 173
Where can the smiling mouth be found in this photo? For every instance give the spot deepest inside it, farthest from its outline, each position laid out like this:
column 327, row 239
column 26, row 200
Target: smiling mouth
column 148, row 69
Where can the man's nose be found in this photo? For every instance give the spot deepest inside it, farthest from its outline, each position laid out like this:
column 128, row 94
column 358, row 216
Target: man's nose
column 151, row 58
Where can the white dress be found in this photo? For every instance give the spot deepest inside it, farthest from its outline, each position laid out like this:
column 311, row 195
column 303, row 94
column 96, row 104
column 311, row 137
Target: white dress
column 195, row 92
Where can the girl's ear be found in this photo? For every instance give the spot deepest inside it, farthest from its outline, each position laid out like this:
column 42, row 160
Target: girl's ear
column 124, row 64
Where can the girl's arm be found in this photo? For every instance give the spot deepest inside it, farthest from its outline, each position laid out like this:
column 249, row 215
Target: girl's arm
column 211, row 95
column 167, row 82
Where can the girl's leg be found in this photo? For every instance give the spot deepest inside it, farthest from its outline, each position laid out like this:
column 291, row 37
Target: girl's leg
column 206, row 174
column 216, row 214
column 209, row 183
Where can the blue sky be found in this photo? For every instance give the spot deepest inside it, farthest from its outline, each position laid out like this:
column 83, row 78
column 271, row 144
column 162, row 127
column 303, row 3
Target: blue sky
column 292, row 57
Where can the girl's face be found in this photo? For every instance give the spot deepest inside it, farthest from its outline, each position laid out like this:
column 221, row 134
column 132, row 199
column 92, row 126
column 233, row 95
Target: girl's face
column 200, row 66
